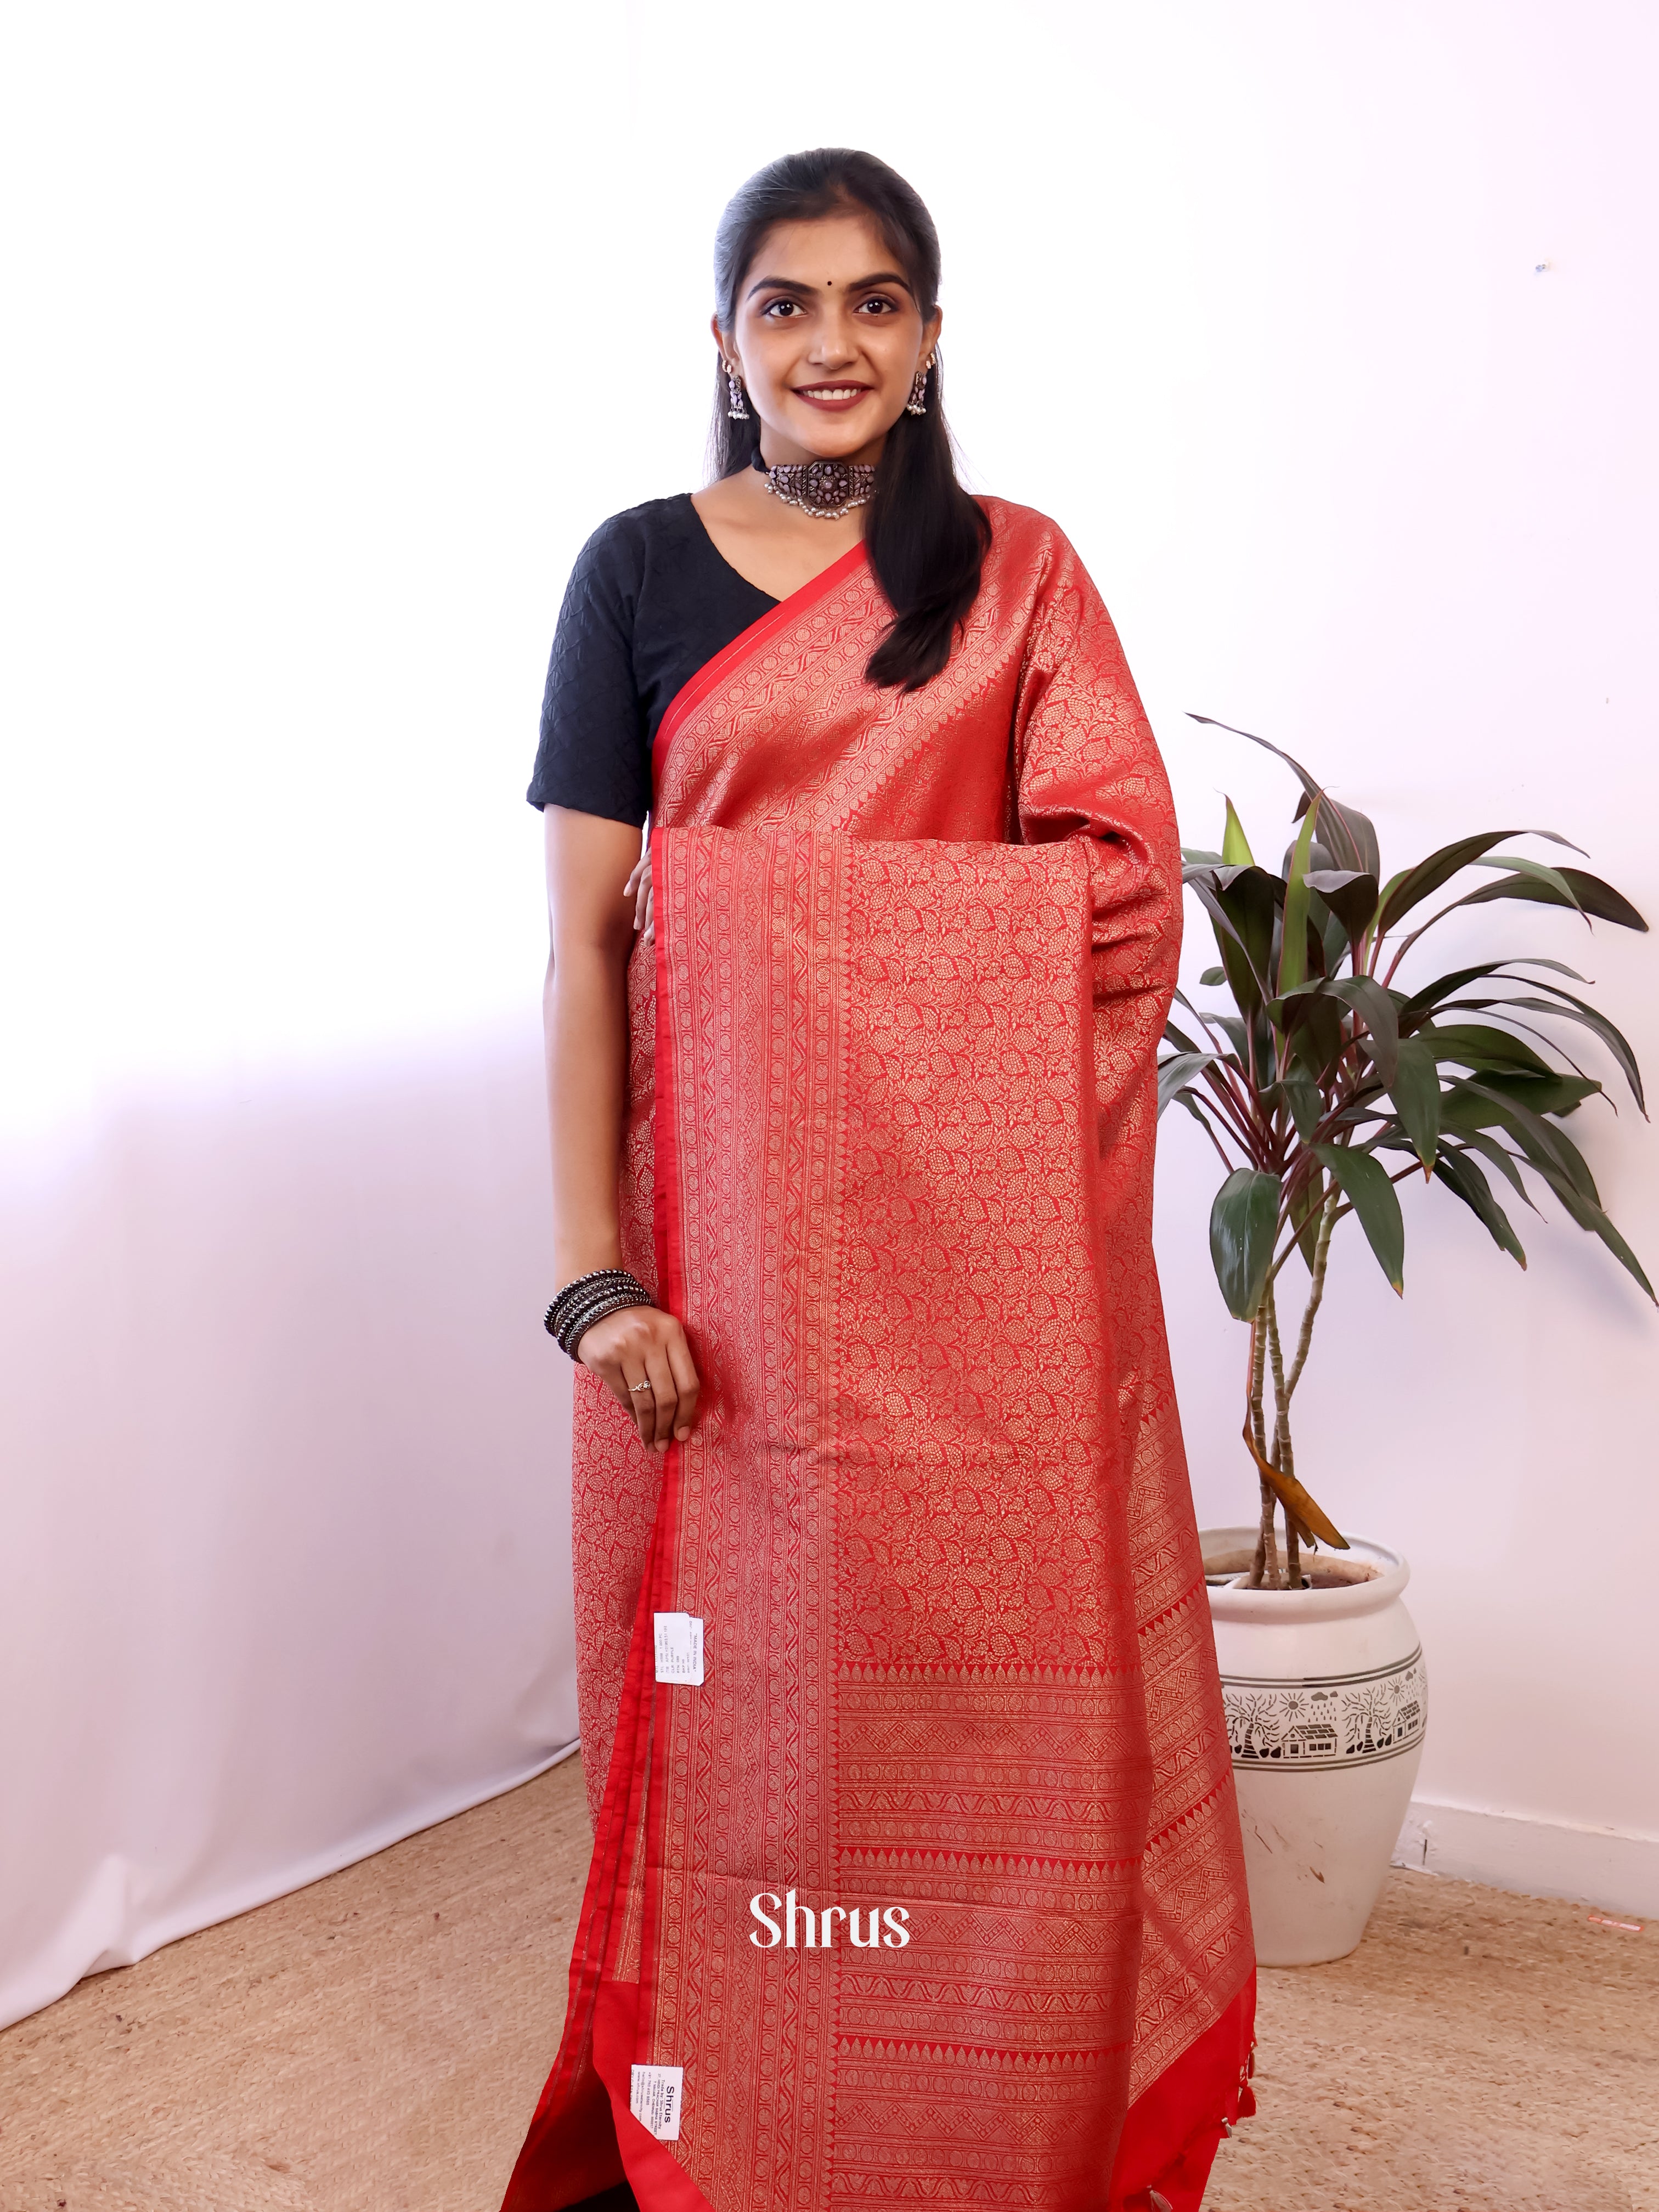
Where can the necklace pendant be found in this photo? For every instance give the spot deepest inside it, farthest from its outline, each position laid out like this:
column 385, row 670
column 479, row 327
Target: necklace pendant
column 824, row 490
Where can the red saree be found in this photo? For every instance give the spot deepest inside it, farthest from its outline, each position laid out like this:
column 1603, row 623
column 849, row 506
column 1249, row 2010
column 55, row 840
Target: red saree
column 889, row 1157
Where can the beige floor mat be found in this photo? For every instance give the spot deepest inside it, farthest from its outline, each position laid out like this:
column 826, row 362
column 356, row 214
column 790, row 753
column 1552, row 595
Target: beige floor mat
column 376, row 2043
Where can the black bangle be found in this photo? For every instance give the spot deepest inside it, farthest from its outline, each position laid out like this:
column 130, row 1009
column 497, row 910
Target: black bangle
column 589, row 1299
column 581, row 1288
column 575, row 1330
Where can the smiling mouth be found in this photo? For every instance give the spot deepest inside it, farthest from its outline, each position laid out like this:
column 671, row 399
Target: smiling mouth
column 832, row 395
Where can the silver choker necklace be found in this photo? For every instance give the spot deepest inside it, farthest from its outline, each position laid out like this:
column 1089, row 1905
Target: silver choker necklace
column 825, row 489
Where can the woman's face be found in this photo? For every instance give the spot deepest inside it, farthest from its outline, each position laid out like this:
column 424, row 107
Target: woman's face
column 828, row 339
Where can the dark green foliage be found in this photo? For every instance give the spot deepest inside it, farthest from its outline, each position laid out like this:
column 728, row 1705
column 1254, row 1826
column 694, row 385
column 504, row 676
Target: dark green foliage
column 1323, row 1084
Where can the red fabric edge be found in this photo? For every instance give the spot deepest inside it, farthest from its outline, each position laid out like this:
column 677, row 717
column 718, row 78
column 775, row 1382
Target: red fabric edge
column 658, row 2179
column 570, row 2151
column 695, row 688
column 583, row 2138
column 664, row 1220
column 1174, row 2128
column 671, row 1296
column 654, row 2174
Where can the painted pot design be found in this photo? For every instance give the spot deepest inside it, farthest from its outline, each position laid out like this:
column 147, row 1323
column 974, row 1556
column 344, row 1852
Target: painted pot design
column 1326, row 1701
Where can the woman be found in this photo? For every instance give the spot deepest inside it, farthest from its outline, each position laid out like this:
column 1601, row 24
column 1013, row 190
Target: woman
column 916, row 1871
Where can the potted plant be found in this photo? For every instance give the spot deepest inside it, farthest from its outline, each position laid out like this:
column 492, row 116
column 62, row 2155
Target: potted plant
column 1323, row 1081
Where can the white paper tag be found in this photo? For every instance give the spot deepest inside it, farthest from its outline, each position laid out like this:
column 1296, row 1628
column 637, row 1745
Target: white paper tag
column 653, row 2092
column 679, row 1647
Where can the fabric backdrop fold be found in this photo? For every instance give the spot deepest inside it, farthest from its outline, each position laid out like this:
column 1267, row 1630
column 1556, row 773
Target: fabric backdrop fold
column 889, row 1158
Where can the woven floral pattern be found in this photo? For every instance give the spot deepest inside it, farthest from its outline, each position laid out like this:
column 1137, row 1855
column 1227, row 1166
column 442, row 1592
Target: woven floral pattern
column 893, row 1117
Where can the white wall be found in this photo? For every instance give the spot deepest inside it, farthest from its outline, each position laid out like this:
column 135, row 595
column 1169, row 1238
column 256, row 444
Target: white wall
column 348, row 323
column 283, row 1530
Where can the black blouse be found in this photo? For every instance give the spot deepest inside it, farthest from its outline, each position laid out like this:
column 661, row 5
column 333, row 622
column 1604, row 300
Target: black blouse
column 648, row 603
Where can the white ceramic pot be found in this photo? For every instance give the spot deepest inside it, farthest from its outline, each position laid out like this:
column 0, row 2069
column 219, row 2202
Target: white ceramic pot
column 1326, row 1700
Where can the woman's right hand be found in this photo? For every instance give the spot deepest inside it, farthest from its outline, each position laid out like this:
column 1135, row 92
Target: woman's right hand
column 643, row 1345
column 638, row 888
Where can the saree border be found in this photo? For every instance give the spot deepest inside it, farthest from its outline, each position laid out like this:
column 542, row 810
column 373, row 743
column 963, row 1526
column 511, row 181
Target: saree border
column 659, row 2182
column 696, row 688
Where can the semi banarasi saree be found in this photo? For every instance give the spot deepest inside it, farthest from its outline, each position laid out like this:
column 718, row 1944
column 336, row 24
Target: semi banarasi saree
column 917, row 1877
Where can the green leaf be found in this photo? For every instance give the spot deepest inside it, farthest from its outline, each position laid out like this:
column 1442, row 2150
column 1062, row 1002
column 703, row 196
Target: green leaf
column 1376, row 1009
column 1350, row 835
column 1319, row 860
column 1592, row 1218
column 1391, row 887
column 1560, row 1094
column 1176, row 1073
column 1185, row 1098
column 1318, row 1007
column 1364, row 1183
column 1232, row 1029
column 1293, row 948
column 1598, row 1025
column 1350, row 894
column 1318, row 1041
column 1195, row 856
column 1415, row 1089
column 1229, row 1024
column 1243, row 1224
column 1426, row 878
column 1213, row 977
column 1304, row 1098
column 1433, row 994
column 1478, row 1045
column 1241, row 903
column 1565, row 1008
column 1535, row 871
column 1334, row 943
column 1589, row 894
column 1464, row 1177
column 1551, row 1150
column 1490, row 1149
column 1347, row 899
column 1235, row 845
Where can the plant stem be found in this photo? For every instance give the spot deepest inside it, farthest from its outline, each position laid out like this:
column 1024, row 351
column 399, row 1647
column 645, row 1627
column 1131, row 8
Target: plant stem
column 1265, row 1550
column 1317, row 1288
column 1209, row 1131
column 1240, row 1120
column 1283, row 1457
column 1264, row 1569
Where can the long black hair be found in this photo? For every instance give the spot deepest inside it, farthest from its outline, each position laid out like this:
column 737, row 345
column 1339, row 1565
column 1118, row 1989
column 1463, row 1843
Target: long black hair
column 926, row 538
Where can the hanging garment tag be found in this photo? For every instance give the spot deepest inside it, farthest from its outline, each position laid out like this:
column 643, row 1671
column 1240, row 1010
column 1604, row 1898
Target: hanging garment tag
column 679, row 1647
column 653, row 2092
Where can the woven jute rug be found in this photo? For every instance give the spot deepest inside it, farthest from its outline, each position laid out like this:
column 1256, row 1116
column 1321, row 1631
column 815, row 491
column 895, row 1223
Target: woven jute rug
column 376, row 2043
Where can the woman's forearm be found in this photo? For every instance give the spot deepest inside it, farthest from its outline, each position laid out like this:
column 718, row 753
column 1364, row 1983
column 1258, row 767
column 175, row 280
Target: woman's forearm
column 585, row 1014
column 599, row 896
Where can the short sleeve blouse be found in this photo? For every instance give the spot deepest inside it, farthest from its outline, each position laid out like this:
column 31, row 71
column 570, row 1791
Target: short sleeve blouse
column 648, row 603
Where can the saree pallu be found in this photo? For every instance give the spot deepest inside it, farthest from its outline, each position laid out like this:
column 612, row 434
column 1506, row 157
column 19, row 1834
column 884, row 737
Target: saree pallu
column 889, row 1156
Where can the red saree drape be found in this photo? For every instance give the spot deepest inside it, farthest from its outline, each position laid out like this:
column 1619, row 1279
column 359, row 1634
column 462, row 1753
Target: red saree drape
column 889, row 1157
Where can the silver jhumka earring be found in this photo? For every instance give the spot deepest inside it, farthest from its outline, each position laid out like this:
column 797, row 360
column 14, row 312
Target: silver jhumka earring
column 734, row 406
column 917, row 403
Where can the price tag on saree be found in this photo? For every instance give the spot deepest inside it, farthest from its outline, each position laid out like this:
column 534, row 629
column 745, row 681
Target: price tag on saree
column 653, row 2092
column 679, row 1647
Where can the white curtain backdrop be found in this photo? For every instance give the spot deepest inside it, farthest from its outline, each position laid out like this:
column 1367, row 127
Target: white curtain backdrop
column 1327, row 334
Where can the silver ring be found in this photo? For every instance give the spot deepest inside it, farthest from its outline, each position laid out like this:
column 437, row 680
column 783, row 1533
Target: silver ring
column 633, row 1388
